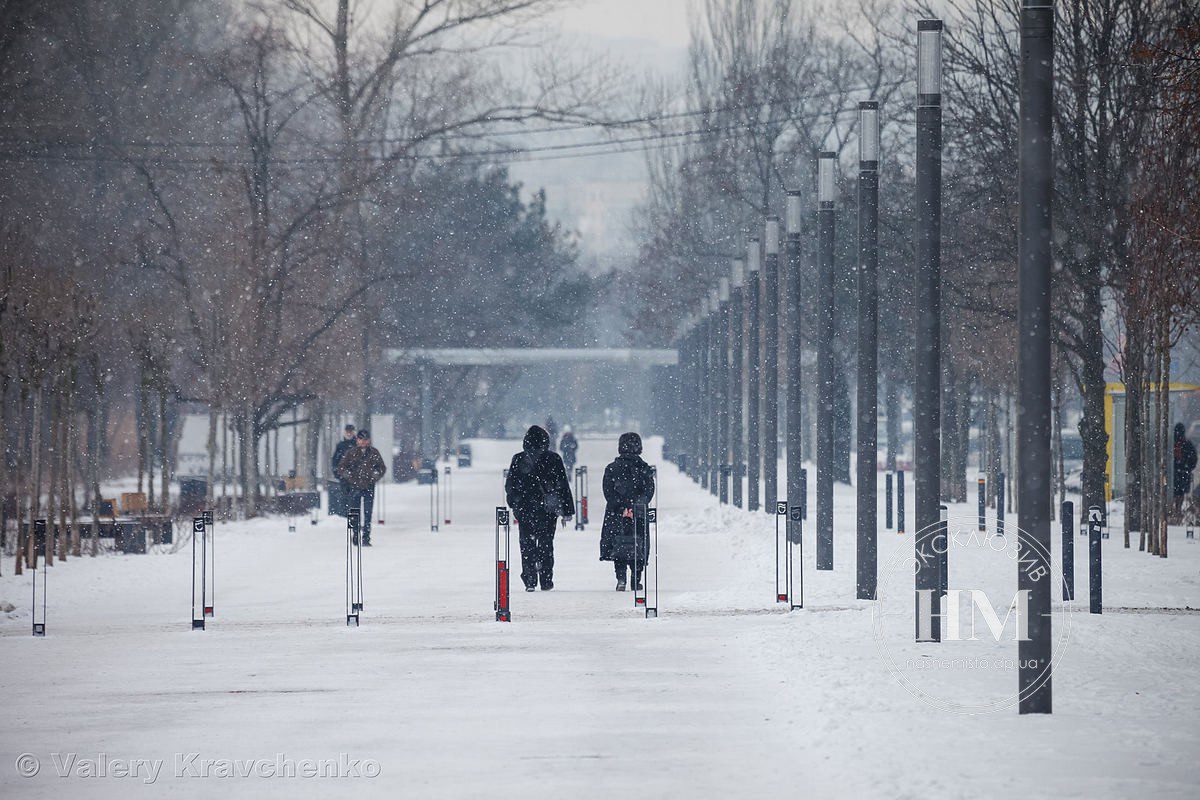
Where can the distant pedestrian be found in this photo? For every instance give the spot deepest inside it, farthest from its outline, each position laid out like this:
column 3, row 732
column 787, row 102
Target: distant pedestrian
column 1185, row 464
column 360, row 469
column 538, row 492
column 568, row 446
column 552, row 431
column 337, row 492
column 628, row 482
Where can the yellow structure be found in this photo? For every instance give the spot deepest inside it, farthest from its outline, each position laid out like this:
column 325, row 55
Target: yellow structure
column 1114, row 425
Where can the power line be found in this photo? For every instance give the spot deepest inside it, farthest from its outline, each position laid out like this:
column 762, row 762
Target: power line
column 553, row 152
column 461, row 135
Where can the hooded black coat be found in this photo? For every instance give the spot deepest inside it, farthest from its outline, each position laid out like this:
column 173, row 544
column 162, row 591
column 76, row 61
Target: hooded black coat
column 628, row 481
column 537, row 485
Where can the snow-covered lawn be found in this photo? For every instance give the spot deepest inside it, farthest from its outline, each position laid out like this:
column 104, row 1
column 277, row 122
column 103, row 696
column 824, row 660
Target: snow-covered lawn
column 726, row 695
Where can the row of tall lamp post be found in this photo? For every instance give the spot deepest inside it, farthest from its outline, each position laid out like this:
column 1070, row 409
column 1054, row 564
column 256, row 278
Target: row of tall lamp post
column 729, row 352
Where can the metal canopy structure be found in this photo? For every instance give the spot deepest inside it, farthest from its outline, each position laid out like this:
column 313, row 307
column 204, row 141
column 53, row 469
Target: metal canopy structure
column 516, row 356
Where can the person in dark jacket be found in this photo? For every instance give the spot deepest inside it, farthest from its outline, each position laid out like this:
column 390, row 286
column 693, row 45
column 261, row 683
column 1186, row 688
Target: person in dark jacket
column 1185, row 464
column 628, row 482
column 539, row 493
column 568, row 445
column 337, row 493
column 360, row 469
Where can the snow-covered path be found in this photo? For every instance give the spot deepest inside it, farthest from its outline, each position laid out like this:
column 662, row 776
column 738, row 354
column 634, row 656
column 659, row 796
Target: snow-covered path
column 723, row 696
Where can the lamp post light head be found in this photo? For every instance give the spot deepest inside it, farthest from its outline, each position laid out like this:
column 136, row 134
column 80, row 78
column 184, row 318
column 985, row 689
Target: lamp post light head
column 929, row 62
column 723, row 290
column 826, row 183
column 772, row 234
column 795, row 213
column 737, row 273
column 868, row 134
column 752, row 255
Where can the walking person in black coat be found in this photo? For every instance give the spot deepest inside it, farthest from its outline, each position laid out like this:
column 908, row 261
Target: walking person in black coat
column 539, row 493
column 628, row 482
column 360, row 469
column 338, row 491
column 1184, row 453
column 568, row 445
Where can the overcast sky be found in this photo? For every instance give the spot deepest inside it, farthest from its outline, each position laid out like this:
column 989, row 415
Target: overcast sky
column 598, row 195
column 663, row 22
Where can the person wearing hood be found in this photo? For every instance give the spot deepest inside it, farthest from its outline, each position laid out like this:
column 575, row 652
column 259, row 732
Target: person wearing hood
column 1184, row 453
column 568, row 445
column 538, row 492
column 628, row 482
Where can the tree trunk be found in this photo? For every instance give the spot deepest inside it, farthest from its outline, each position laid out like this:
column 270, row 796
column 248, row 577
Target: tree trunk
column 52, row 454
column 35, row 449
column 164, row 441
column 891, row 400
column 139, row 417
column 1134, row 388
column 211, row 447
column 1091, row 425
column 1164, row 417
column 64, row 498
column 22, row 478
column 1059, row 460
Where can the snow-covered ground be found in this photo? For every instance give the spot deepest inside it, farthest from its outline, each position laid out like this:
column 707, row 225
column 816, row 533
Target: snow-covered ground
column 726, row 695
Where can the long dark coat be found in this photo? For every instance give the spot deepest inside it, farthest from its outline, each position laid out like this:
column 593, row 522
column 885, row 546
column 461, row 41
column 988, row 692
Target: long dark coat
column 361, row 467
column 628, row 481
column 537, row 486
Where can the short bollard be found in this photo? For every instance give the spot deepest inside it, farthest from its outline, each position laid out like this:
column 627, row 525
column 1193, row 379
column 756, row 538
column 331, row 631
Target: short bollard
column 645, row 575
column 503, row 535
column 1095, row 576
column 39, row 551
column 581, row 498
column 782, row 552
column 1068, row 550
column 1000, row 504
column 354, row 587
column 199, row 571
column 887, row 502
column 981, row 490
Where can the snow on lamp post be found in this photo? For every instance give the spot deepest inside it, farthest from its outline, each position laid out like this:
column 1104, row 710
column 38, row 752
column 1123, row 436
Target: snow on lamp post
column 1034, row 493
column 826, row 330
column 753, row 374
column 792, row 291
column 927, row 473
column 868, row 348
column 737, row 445
column 770, row 359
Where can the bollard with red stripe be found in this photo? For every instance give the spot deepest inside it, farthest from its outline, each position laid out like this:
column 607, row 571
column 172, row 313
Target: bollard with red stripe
column 641, row 533
column 795, row 538
column 782, row 553
column 581, row 498
column 200, row 570
column 503, row 535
